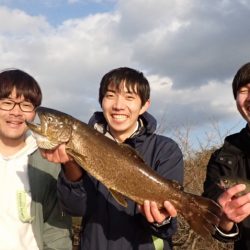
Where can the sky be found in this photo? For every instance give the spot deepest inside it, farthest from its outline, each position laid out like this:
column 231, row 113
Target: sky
column 189, row 50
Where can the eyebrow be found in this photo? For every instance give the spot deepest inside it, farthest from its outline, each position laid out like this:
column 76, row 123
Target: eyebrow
column 129, row 91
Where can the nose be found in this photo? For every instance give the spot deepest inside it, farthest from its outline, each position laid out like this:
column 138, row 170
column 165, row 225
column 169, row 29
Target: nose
column 118, row 102
column 16, row 110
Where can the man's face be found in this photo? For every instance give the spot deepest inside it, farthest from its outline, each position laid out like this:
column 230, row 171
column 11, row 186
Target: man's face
column 12, row 122
column 121, row 108
column 243, row 102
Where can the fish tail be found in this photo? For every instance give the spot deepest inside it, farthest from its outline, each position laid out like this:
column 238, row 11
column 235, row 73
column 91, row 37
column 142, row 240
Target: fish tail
column 202, row 214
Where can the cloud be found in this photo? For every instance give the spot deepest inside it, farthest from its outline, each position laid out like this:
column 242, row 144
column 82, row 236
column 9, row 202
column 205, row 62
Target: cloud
column 189, row 50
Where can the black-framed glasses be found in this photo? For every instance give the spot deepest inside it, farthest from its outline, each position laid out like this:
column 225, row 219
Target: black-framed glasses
column 8, row 105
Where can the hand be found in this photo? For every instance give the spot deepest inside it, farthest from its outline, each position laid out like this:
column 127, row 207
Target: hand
column 72, row 170
column 234, row 209
column 150, row 210
column 57, row 155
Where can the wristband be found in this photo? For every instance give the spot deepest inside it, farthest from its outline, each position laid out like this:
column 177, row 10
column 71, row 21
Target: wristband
column 165, row 222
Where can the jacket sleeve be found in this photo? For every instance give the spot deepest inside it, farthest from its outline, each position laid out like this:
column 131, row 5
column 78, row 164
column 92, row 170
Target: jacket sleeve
column 221, row 163
column 169, row 164
column 73, row 195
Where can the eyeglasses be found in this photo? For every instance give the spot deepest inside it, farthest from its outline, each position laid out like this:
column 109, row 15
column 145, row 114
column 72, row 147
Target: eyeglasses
column 8, row 105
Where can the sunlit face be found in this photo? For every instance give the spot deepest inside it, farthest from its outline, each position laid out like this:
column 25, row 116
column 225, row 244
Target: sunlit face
column 121, row 108
column 243, row 102
column 12, row 122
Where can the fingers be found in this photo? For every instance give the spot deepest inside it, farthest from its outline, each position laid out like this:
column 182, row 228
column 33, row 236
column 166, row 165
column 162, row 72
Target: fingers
column 57, row 155
column 230, row 193
column 170, row 208
column 147, row 211
column 154, row 214
column 235, row 209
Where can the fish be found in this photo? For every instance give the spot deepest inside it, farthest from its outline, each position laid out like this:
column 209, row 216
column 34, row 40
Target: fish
column 120, row 168
column 226, row 182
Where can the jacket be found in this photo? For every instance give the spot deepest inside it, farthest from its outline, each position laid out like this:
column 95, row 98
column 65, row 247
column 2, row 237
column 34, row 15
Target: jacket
column 50, row 225
column 106, row 224
column 232, row 159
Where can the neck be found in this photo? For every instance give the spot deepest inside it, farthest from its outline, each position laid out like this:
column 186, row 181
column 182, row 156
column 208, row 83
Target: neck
column 10, row 147
column 122, row 136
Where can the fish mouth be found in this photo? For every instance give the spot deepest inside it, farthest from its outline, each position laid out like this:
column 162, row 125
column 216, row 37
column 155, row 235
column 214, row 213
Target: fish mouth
column 38, row 130
column 34, row 127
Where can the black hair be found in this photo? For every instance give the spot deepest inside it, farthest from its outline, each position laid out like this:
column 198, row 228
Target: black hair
column 133, row 79
column 24, row 84
column 241, row 78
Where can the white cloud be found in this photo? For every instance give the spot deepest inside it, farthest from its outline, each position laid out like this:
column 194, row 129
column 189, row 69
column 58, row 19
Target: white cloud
column 18, row 23
column 189, row 50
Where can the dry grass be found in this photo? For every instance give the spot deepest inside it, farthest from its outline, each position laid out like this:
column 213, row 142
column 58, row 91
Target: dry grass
column 187, row 239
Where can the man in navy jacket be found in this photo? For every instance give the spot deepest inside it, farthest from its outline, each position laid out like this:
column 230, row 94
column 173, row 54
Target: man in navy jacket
column 124, row 97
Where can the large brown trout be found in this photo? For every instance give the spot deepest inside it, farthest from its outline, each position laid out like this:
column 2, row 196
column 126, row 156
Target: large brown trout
column 121, row 169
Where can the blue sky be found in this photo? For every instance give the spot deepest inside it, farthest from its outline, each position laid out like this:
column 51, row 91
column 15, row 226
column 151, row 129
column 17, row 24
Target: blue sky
column 188, row 49
column 56, row 11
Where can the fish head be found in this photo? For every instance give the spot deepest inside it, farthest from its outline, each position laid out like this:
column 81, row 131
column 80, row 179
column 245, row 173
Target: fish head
column 55, row 128
column 226, row 182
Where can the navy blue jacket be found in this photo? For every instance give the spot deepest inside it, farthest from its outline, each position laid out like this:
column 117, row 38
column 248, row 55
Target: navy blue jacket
column 232, row 159
column 106, row 224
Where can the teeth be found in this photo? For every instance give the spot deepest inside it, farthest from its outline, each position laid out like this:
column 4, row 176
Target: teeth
column 119, row 117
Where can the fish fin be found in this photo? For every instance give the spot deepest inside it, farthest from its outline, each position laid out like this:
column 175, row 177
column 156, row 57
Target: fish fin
column 77, row 157
column 119, row 197
column 202, row 214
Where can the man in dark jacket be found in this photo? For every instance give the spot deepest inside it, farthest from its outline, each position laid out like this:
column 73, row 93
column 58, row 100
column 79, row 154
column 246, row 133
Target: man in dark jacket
column 233, row 160
column 124, row 97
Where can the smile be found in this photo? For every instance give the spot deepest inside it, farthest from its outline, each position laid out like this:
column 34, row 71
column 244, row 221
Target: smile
column 119, row 117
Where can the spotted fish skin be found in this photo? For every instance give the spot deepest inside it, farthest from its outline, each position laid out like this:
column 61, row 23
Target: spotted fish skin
column 121, row 169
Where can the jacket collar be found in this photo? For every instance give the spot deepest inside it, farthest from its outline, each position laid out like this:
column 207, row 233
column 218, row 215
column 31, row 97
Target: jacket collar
column 148, row 122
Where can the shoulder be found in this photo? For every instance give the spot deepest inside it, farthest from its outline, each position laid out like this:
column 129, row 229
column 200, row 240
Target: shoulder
column 229, row 152
column 167, row 141
column 166, row 145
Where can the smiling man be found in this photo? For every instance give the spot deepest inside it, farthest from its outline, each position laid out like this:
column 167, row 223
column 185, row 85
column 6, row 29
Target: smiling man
column 30, row 215
column 124, row 96
column 233, row 160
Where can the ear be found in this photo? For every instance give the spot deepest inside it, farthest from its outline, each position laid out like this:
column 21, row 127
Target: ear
column 145, row 107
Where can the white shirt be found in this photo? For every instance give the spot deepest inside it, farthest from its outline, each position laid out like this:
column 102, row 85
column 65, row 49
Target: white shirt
column 15, row 221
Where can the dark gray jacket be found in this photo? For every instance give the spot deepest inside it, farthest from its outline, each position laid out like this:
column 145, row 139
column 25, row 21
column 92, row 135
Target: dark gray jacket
column 50, row 225
column 106, row 224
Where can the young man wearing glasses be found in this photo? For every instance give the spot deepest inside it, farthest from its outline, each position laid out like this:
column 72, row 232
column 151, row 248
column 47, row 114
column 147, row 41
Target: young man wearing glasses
column 30, row 215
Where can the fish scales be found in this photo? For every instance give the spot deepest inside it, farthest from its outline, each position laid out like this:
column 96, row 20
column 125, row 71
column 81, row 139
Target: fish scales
column 112, row 164
column 121, row 169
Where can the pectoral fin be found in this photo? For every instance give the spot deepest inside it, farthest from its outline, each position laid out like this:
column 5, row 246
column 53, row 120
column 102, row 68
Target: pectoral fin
column 119, row 198
column 77, row 157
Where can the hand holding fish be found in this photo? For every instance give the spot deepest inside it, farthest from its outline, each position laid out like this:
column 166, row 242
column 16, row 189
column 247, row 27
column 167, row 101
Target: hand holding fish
column 72, row 170
column 57, row 155
column 235, row 209
column 150, row 210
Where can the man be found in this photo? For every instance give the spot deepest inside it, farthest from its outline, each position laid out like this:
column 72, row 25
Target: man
column 30, row 215
column 124, row 97
column 233, row 160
